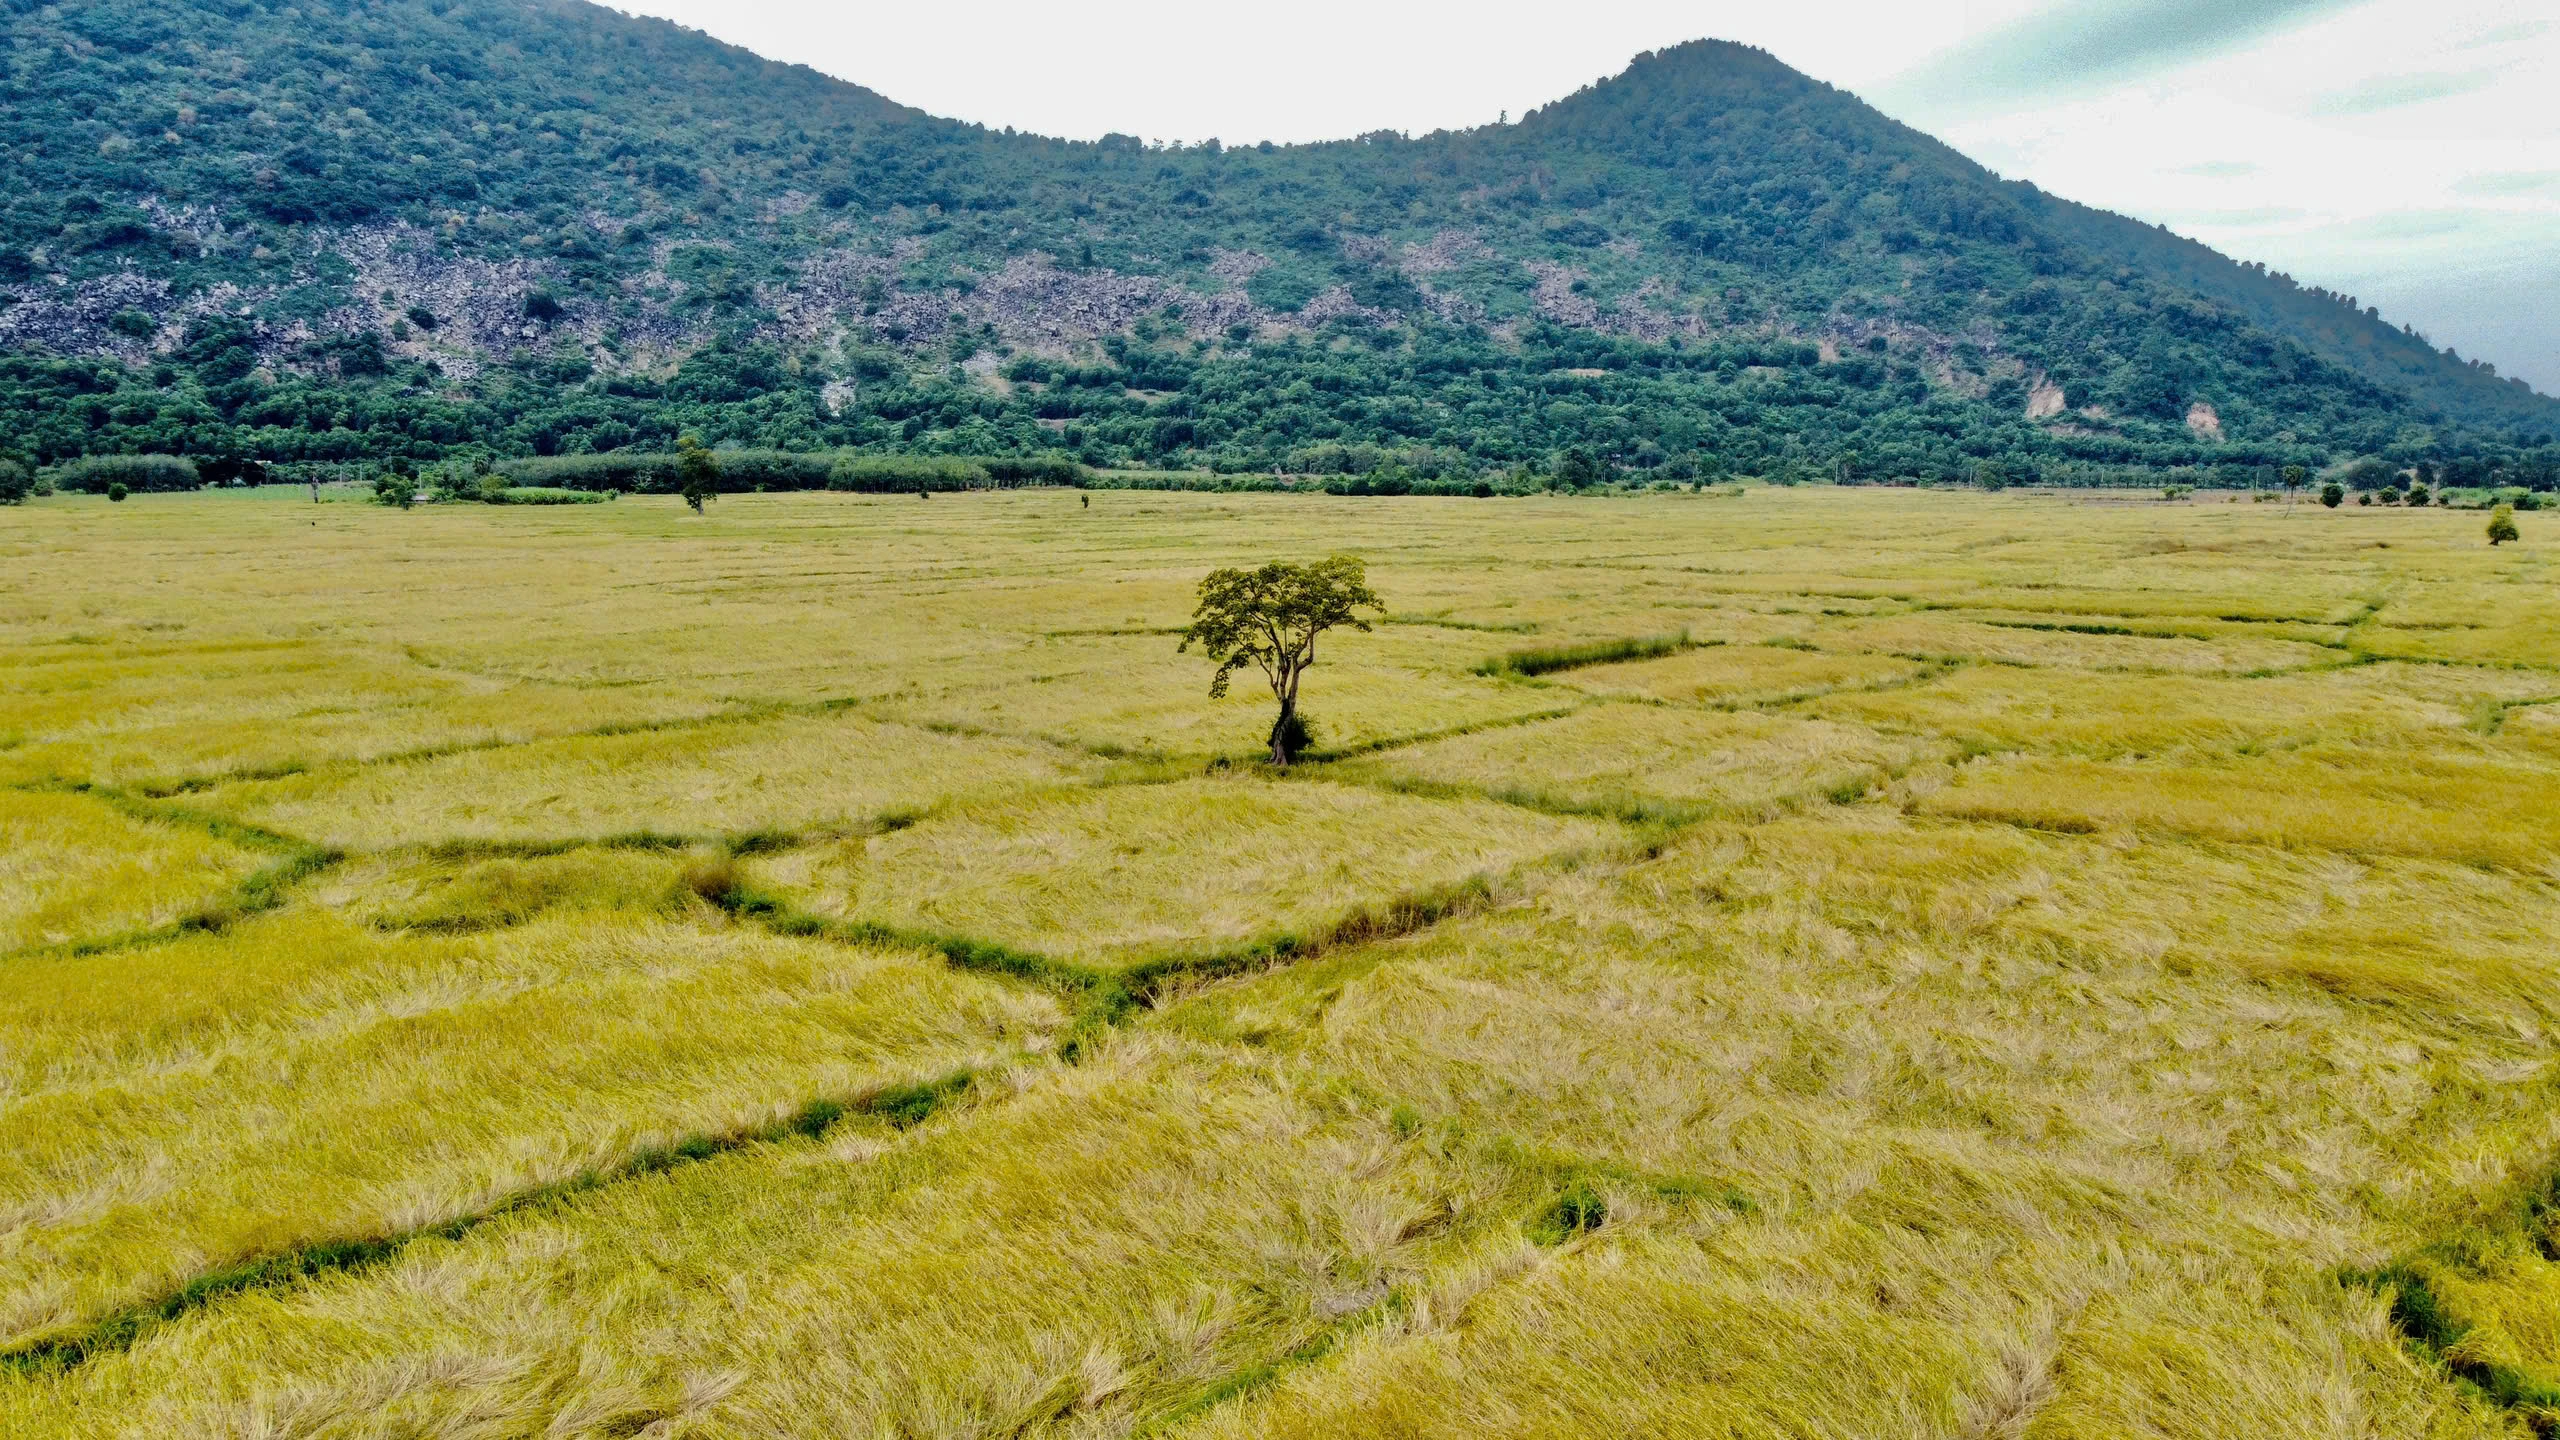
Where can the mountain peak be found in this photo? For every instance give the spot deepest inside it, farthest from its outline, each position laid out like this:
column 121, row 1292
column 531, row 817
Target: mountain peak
column 546, row 226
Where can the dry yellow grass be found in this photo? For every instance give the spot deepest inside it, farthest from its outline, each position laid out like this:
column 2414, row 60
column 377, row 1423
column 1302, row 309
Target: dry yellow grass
column 1114, row 1240
column 2103, row 714
column 2021, row 1135
column 1648, row 760
column 2015, row 644
column 1743, row 675
column 828, row 770
column 1134, row 694
column 1137, row 872
column 2078, row 1034
column 299, row 1080
column 75, row 868
column 2461, row 807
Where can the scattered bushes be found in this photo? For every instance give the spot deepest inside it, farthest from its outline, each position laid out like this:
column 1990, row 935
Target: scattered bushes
column 96, row 474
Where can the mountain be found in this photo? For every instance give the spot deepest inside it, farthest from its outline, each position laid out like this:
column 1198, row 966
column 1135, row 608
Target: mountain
column 352, row 230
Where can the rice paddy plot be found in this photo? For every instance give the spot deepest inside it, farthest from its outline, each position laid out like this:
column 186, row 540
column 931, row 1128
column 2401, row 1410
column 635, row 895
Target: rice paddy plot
column 2096, row 645
column 2067, row 1022
column 1739, row 675
column 1652, row 762
column 1088, row 1247
column 265, row 736
column 839, row 769
column 429, row 894
column 1136, row 696
column 2108, row 714
column 74, row 868
column 2463, row 808
column 1112, row 877
column 301, row 1082
column 1928, row 1057
column 2534, row 729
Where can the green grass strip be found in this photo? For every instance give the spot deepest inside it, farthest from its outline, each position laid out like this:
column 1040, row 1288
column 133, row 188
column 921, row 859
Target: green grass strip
column 1545, row 660
column 260, row 890
column 901, row 1106
column 2429, row 1329
column 1106, row 998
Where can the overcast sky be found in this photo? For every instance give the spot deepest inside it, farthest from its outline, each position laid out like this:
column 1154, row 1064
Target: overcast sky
column 2403, row 151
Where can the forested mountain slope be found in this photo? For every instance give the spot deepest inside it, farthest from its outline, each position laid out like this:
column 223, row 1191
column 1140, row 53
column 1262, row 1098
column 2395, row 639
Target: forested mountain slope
column 346, row 231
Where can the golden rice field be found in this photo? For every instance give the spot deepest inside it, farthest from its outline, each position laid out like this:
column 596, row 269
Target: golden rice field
column 2035, row 967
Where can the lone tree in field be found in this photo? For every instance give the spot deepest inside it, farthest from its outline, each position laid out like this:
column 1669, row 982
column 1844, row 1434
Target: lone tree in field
column 699, row 471
column 1271, row 617
column 2502, row 526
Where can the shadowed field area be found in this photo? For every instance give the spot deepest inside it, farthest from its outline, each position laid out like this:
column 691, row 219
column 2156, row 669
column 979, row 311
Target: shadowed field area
column 1886, row 963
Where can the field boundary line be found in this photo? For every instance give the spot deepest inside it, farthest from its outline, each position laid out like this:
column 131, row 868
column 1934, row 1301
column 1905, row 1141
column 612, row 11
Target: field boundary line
column 260, row 890
column 902, row 1106
column 1108, row 998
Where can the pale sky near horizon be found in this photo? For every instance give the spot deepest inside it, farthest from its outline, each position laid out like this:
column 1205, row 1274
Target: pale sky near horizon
column 2406, row 152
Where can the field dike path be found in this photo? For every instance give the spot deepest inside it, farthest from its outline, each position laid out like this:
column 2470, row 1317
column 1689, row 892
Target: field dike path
column 1101, row 1000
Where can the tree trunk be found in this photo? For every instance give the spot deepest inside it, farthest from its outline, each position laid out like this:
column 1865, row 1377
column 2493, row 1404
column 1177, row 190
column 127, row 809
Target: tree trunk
column 1284, row 731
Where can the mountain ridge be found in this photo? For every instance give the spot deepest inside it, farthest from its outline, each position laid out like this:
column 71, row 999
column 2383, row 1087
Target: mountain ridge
column 552, row 212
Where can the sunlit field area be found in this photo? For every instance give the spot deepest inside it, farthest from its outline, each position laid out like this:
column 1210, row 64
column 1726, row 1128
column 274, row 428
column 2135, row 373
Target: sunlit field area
column 1984, row 966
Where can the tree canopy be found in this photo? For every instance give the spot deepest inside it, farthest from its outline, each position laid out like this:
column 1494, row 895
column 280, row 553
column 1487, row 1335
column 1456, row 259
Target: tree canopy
column 1269, row 618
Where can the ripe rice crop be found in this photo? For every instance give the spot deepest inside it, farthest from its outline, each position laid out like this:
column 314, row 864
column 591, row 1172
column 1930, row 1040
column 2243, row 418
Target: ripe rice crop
column 2021, row 966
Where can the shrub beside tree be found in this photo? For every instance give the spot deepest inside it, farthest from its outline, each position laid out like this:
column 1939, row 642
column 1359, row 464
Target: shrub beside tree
column 1269, row 618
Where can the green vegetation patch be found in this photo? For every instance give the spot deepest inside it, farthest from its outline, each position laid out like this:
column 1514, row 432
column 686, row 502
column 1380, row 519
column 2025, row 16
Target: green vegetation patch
column 1541, row 660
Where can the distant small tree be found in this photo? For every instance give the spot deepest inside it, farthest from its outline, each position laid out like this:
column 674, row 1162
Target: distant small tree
column 116, row 491
column 2333, row 495
column 1270, row 618
column 698, row 472
column 1577, row 468
column 2418, row 495
column 15, row 484
column 2502, row 526
column 2295, row 477
column 394, row 489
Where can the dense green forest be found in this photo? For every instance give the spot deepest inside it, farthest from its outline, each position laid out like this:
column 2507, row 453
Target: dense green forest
column 360, row 234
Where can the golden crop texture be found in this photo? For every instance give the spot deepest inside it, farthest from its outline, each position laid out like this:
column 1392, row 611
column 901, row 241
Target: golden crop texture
column 2022, row 966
